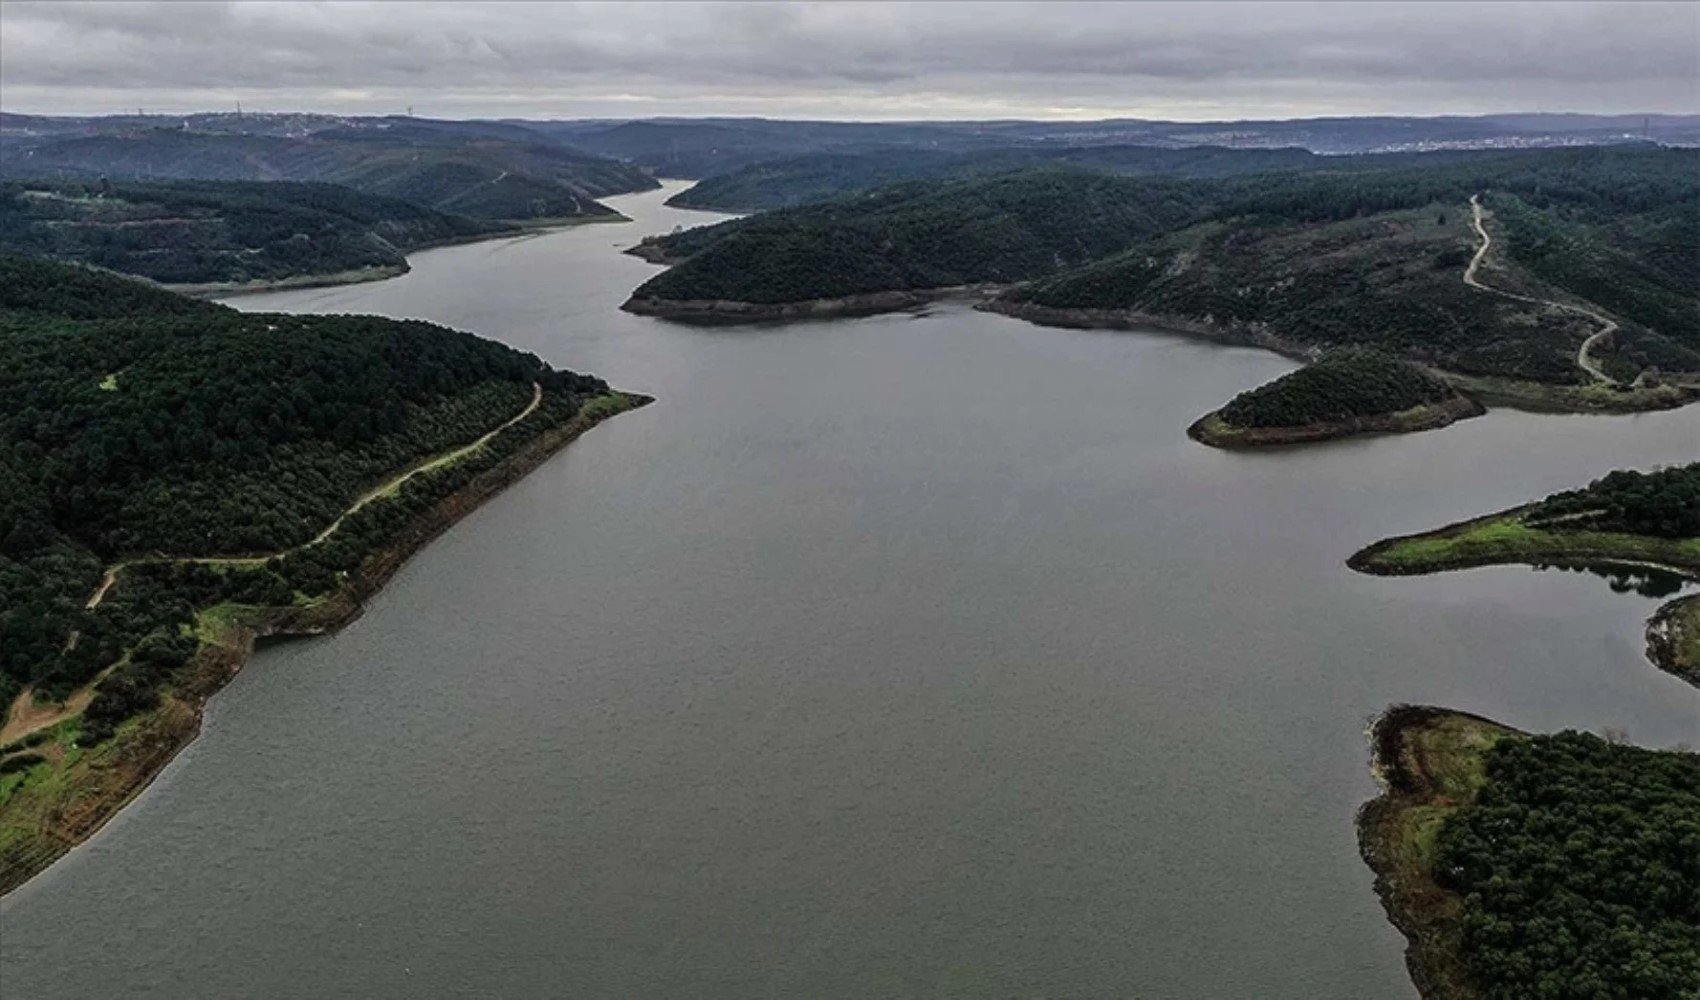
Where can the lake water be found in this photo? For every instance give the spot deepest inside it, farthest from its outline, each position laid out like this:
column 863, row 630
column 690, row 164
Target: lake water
column 901, row 656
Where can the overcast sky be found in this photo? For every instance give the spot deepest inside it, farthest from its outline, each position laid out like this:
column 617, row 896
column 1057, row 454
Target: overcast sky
column 852, row 60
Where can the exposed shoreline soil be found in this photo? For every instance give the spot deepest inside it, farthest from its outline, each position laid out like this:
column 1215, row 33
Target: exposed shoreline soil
column 1414, row 751
column 119, row 770
column 732, row 311
column 1673, row 638
column 382, row 272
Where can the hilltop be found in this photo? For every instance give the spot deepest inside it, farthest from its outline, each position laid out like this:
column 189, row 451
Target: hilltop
column 226, row 234
column 507, row 174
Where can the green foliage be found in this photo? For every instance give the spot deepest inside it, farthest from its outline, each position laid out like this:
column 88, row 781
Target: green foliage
column 208, row 231
column 1664, row 503
column 227, row 433
column 1342, row 384
column 1363, row 250
column 800, row 180
column 486, row 176
column 1353, row 259
column 996, row 229
column 1579, row 865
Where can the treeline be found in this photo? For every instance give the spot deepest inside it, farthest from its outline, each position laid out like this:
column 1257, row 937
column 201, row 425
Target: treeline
column 1318, row 257
column 202, row 232
column 1342, row 384
column 799, row 180
column 997, row 229
column 486, row 172
column 1579, row 868
column 140, row 422
column 1664, row 503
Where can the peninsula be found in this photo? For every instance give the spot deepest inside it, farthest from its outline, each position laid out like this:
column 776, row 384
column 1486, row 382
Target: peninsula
column 1346, row 391
column 180, row 479
column 1490, row 846
column 1626, row 519
column 1543, row 280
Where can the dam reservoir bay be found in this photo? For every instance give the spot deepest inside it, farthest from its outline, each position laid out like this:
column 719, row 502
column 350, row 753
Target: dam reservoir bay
column 920, row 654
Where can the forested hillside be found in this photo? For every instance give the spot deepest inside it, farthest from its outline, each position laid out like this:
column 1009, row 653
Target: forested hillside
column 488, row 176
column 997, row 229
column 143, row 424
column 203, row 232
column 799, row 180
column 1300, row 259
column 1341, row 385
column 1578, row 865
column 1664, row 503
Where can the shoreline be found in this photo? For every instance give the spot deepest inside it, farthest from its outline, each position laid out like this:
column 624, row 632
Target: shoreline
column 379, row 272
column 730, row 311
column 123, row 767
column 1483, row 392
column 1235, row 334
column 1213, row 430
column 1411, row 747
column 1672, row 631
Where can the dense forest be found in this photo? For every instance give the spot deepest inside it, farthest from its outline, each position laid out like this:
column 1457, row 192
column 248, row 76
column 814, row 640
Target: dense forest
column 708, row 147
column 1579, row 867
column 141, row 422
column 204, row 232
column 916, row 236
column 1314, row 257
column 1342, row 384
column 798, row 180
column 1664, row 503
column 489, row 173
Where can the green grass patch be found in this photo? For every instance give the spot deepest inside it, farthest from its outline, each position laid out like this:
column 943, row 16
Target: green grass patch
column 1507, row 539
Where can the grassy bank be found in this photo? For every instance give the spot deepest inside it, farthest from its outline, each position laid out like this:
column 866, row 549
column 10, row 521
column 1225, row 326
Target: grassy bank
column 60, row 792
column 1429, row 762
column 1525, row 865
column 1673, row 634
column 1506, row 538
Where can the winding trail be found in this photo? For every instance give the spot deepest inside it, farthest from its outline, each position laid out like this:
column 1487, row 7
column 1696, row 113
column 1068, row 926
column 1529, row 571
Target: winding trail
column 24, row 716
column 1607, row 326
column 110, row 577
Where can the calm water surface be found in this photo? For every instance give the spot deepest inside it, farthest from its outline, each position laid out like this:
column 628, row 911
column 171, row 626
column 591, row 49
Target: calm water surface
column 904, row 656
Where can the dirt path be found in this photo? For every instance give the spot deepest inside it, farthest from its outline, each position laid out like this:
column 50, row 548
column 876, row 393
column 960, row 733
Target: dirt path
column 25, row 716
column 1607, row 326
column 390, row 486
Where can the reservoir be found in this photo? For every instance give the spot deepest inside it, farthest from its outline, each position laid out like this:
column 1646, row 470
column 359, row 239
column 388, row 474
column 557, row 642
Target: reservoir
column 914, row 655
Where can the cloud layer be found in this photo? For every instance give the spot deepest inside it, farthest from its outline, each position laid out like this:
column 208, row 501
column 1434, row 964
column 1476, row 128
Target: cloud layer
column 853, row 60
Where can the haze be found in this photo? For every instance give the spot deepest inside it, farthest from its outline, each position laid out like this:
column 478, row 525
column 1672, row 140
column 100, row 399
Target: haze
column 852, row 60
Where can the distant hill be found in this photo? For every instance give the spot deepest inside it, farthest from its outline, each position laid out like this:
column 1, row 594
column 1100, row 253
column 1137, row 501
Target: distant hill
column 703, row 147
column 452, row 169
column 822, row 176
column 1003, row 228
column 1298, row 259
column 224, row 232
column 1377, row 259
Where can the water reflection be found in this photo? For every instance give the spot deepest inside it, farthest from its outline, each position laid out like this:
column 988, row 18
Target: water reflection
column 1647, row 581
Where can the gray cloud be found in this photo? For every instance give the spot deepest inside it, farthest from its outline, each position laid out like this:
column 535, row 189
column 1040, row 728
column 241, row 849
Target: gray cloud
column 852, row 59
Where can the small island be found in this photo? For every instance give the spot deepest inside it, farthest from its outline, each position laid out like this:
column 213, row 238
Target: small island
column 1648, row 520
column 1346, row 391
column 179, row 479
